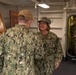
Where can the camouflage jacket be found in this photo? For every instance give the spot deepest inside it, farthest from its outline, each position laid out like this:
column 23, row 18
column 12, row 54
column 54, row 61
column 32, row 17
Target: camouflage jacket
column 73, row 30
column 52, row 54
column 17, row 47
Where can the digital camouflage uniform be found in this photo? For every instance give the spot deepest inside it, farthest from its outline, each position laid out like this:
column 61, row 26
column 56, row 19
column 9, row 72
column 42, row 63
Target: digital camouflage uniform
column 17, row 47
column 52, row 53
column 73, row 40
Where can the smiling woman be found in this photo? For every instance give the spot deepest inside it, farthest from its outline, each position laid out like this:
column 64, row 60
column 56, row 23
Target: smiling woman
column 2, row 25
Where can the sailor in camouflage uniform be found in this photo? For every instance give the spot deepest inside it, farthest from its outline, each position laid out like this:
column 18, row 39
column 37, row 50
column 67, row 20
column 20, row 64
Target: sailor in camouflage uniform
column 52, row 49
column 17, row 47
column 73, row 37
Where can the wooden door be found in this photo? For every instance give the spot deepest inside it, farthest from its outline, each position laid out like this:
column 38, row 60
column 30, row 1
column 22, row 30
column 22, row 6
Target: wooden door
column 2, row 25
column 13, row 18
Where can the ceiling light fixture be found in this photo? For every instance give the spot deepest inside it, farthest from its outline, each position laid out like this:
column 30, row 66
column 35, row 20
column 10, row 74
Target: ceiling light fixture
column 43, row 5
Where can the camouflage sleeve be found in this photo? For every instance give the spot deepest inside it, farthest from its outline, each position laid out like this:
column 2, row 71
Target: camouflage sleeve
column 1, row 52
column 39, row 51
column 59, row 52
column 1, row 64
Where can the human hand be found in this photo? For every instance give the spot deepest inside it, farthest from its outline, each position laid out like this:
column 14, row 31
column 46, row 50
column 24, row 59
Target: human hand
column 56, row 65
column 74, row 36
